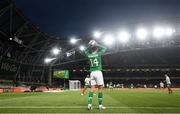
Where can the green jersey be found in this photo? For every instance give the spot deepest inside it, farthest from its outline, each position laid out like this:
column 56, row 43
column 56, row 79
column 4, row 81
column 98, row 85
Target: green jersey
column 95, row 58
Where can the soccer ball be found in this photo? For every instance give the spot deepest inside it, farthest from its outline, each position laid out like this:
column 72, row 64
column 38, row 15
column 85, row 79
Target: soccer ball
column 92, row 43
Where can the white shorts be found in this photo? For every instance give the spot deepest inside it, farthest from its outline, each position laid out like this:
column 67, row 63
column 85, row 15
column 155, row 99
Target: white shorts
column 97, row 78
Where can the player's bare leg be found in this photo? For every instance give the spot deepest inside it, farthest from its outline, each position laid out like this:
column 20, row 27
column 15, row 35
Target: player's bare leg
column 90, row 97
column 170, row 90
column 100, row 97
column 83, row 91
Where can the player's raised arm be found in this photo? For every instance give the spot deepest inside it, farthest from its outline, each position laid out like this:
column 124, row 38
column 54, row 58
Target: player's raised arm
column 90, row 44
column 86, row 51
column 102, row 49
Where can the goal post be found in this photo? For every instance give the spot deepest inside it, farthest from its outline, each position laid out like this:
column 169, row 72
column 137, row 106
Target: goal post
column 74, row 85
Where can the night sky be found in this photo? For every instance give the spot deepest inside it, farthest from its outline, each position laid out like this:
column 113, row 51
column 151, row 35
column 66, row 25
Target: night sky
column 64, row 18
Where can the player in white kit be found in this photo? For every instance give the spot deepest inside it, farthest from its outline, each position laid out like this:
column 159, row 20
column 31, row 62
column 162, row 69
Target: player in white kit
column 87, row 84
column 168, row 83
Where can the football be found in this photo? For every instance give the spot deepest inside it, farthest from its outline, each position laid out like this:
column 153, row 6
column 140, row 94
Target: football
column 92, row 42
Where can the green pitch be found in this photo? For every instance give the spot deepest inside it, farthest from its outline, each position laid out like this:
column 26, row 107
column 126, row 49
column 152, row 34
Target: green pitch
column 122, row 101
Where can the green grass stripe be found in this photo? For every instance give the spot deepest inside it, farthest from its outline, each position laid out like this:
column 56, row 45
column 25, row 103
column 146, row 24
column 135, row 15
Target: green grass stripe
column 79, row 107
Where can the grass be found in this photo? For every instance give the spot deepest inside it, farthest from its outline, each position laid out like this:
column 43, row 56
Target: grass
column 116, row 101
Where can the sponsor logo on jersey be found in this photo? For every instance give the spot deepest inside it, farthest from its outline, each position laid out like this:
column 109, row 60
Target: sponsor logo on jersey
column 93, row 55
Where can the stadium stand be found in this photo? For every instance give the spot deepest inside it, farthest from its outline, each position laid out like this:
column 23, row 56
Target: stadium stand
column 23, row 48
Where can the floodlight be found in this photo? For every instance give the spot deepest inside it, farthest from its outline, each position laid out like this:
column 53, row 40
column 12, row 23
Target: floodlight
column 124, row 36
column 97, row 34
column 158, row 32
column 48, row 60
column 68, row 54
column 73, row 40
column 55, row 51
column 169, row 31
column 141, row 33
column 82, row 48
column 108, row 39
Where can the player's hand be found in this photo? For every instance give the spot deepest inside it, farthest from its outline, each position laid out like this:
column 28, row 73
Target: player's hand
column 92, row 43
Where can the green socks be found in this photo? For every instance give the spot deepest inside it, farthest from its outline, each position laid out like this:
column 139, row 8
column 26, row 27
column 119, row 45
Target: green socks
column 90, row 97
column 100, row 98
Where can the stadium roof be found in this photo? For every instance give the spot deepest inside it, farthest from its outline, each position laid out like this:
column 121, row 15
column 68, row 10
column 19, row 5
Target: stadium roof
column 21, row 39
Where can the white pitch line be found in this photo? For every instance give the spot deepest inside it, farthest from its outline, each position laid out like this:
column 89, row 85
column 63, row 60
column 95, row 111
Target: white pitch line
column 145, row 107
column 80, row 107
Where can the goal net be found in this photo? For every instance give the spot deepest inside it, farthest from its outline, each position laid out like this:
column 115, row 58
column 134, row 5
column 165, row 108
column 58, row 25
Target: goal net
column 74, row 85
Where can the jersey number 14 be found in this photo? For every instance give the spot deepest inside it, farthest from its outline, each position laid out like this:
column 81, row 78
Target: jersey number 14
column 94, row 62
